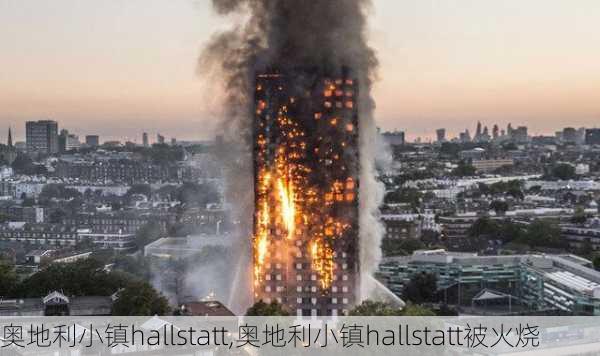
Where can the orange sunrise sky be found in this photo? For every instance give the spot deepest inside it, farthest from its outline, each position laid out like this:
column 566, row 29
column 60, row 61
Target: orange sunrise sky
column 120, row 67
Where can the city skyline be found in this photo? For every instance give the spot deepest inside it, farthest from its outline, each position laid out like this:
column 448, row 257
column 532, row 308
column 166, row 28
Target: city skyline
column 112, row 69
column 143, row 139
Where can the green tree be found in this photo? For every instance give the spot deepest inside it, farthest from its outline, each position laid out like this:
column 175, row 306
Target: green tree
column 405, row 195
column 148, row 233
column 421, row 288
column 80, row 278
column 446, row 310
column 57, row 216
column 596, row 262
column 400, row 247
column 88, row 278
column 138, row 266
column 373, row 308
column 261, row 308
column 86, row 244
column 509, row 231
column 58, row 191
column 541, row 233
column 464, row 169
column 163, row 154
column 4, row 218
column 27, row 201
column 482, row 230
column 499, row 206
column 139, row 298
column 563, row 171
column 23, row 165
column 450, row 149
column 417, row 310
column 579, row 217
column 512, row 188
column 8, row 278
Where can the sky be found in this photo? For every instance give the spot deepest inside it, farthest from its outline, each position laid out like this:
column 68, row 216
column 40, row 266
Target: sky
column 120, row 67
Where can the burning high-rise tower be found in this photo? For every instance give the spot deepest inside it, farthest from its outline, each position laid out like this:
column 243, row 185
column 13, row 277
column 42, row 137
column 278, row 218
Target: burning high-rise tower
column 297, row 77
column 306, row 169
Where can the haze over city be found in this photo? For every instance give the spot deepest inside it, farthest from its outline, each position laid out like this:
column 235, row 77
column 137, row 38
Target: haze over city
column 116, row 68
column 309, row 159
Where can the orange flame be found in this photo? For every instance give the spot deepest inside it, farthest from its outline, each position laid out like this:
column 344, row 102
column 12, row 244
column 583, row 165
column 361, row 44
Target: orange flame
column 288, row 208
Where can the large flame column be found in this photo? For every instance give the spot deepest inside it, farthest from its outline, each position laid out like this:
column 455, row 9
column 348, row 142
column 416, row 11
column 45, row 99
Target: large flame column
column 306, row 168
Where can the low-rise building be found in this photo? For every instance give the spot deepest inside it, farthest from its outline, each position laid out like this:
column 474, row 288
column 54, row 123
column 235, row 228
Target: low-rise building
column 183, row 247
column 128, row 222
column 116, row 171
column 456, row 227
column 204, row 308
column 564, row 283
column 56, row 304
column 490, row 165
column 473, row 154
column 405, row 226
column 42, row 234
column 6, row 172
column 582, row 237
column 117, row 241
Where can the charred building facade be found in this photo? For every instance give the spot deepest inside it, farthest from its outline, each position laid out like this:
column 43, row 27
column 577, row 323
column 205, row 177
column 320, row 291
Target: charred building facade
column 306, row 169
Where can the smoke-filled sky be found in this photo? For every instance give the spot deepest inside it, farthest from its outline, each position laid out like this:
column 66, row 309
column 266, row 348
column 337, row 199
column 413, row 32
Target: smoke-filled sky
column 118, row 67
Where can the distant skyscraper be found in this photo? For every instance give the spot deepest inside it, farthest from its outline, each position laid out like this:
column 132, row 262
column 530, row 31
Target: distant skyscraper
column 173, row 141
column 485, row 135
column 42, row 136
column 520, row 134
column 464, row 136
column 160, row 139
column 145, row 139
column 441, row 135
column 73, row 142
column 478, row 131
column 62, row 140
column 396, row 138
column 68, row 141
column 592, row 136
column 92, row 140
column 9, row 141
column 509, row 130
column 569, row 135
column 495, row 132
column 580, row 136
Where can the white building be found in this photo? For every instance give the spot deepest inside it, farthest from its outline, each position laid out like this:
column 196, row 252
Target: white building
column 582, row 168
column 6, row 172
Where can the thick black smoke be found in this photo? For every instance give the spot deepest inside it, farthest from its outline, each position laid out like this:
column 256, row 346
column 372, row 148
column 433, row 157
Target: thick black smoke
column 327, row 34
column 287, row 34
